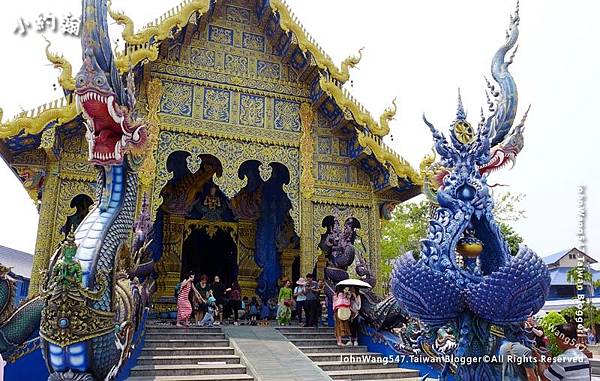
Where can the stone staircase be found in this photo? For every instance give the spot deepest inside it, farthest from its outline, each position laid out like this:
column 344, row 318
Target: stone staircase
column 187, row 354
column 320, row 346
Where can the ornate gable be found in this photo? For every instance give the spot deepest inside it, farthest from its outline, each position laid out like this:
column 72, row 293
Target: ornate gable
column 247, row 64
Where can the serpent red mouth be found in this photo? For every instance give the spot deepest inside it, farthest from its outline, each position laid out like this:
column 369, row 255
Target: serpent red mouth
column 108, row 130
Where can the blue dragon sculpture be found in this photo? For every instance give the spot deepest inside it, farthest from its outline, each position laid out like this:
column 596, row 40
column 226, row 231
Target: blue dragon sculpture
column 87, row 324
column 487, row 294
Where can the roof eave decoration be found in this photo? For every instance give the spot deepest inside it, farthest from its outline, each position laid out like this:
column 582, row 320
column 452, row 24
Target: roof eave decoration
column 143, row 45
column 34, row 121
column 386, row 155
column 163, row 27
column 288, row 23
column 65, row 79
column 346, row 102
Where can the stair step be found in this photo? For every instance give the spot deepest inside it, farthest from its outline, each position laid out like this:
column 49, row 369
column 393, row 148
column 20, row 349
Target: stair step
column 173, row 329
column 206, row 377
column 312, row 342
column 398, row 379
column 186, row 359
column 185, row 335
column 187, row 351
column 336, row 356
column 373, row 374
column 182, row 343
column 339, row 365
column 331, row 348
column 187, row 370
column 298, row 329
column 308, row 335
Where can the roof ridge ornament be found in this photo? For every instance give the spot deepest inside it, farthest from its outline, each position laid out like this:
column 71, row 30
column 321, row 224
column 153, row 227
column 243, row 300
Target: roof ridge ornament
column 65, row 79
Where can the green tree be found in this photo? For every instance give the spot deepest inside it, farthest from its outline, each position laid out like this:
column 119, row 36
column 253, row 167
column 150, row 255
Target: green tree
column 548, row 324
column 403, row 233
column 586, row 276
column 512, row 238
column 507, row 207
column 590, row 314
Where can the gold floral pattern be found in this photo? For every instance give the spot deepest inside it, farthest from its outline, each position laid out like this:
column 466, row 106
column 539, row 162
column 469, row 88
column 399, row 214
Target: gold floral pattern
column 216, row 105
column 268, row 69
column 252, row 110
column 253, row 41
column 202, row 57
column 287, row 115
column 232, row 154
column 177, row 99
column 237, row 14
column 236, row 64
column 332, row 172
column 220, row 35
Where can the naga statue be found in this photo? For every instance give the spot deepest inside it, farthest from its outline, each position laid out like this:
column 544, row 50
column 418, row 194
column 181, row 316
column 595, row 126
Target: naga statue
column 464, row 275
column 338, row 247
column 89, row 340
column 341, row 251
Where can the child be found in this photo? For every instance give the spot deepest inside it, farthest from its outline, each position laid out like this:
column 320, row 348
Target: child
column 253, row 310
column 209, row 317
column 246, row 308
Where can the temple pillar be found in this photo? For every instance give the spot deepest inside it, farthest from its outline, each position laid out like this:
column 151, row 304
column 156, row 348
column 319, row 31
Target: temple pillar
column 307, row 243
column 247, row 269
column 169, row 265
column 46, row 227
column 307, row 190
column 375, row 247
column 286, row 262
column 321, row 263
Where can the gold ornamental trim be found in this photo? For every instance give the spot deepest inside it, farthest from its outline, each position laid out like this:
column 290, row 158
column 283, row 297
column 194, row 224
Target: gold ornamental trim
column 289, row 23
column 65, row 79
column 34, row 121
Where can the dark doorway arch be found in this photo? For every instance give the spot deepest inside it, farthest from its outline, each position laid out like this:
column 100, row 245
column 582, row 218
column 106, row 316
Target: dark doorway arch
column 81, row 203
column 210, row 254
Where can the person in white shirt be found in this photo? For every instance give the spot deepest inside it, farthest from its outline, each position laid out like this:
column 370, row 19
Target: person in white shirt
column 572, row 364
column 300, row 298
column 2, row 364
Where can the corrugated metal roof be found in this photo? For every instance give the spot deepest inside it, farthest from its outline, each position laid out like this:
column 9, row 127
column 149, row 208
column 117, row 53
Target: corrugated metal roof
column 558, row 276
column 20, row 261
column 553, row 258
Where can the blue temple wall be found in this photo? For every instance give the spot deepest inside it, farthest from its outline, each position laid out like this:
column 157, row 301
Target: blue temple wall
column 275, row 206
column 29, row 367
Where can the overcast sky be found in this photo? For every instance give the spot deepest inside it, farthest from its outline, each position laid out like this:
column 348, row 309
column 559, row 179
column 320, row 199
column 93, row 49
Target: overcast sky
column 417, row 51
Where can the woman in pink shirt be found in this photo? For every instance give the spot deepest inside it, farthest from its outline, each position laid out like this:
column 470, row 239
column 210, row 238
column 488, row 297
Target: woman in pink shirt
column 342, row 313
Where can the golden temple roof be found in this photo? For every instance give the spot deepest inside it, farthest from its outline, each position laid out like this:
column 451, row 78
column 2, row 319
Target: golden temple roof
column 142, row 47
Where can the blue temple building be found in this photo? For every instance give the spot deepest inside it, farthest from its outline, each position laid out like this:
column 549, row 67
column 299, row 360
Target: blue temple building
column 562, row 291
column 20, row 264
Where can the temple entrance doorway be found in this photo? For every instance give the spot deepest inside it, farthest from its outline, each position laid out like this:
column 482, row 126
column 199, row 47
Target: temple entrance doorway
column 210, row 251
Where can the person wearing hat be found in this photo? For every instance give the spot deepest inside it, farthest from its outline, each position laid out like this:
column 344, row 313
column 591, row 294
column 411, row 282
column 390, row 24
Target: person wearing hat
column 342, row 314
column 300, row 298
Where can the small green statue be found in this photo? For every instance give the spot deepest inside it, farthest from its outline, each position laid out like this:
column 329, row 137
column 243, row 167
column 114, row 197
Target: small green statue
column 68, row 270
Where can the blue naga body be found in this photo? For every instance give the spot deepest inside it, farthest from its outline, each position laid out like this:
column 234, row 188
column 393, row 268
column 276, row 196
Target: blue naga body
column 485, row 293
column 81, row 343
